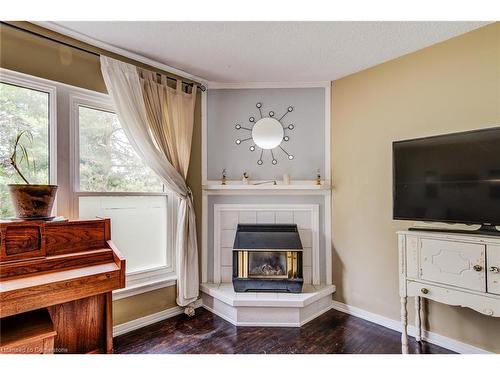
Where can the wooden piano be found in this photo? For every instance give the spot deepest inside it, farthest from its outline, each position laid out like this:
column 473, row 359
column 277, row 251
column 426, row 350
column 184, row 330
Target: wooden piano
column 68, row 269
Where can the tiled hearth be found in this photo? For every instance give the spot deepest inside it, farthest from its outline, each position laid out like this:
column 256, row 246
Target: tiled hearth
column 267, row 309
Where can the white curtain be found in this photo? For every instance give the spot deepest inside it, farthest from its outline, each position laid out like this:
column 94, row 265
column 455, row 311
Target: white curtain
column 158, row 122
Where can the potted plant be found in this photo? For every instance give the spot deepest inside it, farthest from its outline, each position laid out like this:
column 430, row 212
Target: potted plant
column 31, row 201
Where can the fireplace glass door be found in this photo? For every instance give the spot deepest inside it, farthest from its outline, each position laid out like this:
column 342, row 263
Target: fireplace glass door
column 262, row 264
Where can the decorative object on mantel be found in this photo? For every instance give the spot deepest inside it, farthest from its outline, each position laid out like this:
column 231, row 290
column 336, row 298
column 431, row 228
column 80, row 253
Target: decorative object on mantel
column 267, row 134
column 286, row 179
column 30, row 201
column 266, row 182
column 318, row 177
column 246, row 178
column 224, row 179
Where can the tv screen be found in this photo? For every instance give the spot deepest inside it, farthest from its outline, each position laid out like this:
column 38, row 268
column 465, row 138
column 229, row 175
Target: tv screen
column 449, row 178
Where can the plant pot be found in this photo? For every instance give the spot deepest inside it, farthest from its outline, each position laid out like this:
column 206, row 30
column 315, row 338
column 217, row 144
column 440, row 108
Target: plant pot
column 32, row 201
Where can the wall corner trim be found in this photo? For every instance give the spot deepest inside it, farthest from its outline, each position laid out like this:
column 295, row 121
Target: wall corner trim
column 144, row 321
column 431, row 337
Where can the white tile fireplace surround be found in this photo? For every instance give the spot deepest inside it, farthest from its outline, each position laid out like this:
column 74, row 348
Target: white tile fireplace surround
column 267, row 309
column 228, row 216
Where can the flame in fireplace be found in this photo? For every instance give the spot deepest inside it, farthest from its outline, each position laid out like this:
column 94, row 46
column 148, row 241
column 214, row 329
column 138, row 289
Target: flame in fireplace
column 267, row 263
column 268, row 270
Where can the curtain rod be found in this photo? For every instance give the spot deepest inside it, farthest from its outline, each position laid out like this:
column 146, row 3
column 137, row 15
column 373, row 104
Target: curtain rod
column 202, row 88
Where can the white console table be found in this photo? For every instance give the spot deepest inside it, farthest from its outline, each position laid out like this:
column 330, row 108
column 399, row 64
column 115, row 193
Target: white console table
column 455, row 269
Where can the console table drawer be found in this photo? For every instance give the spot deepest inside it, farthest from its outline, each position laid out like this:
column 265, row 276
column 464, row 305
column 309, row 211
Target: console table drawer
column 493, row 270
column 460, row 264
column 483, row 304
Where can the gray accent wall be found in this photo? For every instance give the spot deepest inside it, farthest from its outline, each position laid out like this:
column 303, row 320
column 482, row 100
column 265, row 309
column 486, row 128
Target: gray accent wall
column 227, row 107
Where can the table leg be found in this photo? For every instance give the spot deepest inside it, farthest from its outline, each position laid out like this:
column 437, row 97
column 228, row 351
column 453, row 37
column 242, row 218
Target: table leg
column 418, row 321
column 404, row 322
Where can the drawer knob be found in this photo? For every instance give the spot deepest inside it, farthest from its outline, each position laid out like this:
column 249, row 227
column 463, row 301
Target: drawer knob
column 478, row 268
column 494, row 269
column 424, row 291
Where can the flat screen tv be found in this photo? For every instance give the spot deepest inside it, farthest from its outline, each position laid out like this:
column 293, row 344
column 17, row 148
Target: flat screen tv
column 452, row 178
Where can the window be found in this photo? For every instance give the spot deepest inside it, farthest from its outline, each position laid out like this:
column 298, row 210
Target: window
column 99, row 173
column 25, row 106
column 110, row 180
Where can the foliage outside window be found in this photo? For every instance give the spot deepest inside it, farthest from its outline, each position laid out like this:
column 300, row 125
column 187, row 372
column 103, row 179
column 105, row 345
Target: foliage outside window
column 108, row 163
column 23, row 109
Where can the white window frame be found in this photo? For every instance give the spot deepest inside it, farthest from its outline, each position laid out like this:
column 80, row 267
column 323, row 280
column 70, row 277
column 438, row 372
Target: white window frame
column 137, row 282
column 29, row 82
column 69, row 97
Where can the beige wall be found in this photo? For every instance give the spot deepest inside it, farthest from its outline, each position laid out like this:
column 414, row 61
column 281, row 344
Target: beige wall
column 448, row 87
column 144, row 304
column 40, row 57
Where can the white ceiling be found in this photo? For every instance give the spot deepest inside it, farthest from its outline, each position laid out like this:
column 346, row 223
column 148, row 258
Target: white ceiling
column 270, row 51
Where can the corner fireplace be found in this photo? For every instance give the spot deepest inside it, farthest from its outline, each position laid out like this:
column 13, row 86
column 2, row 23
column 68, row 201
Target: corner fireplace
column 267, row 257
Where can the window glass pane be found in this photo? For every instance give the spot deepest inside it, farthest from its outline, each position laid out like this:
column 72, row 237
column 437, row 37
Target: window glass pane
column 107, row 160
column 138, row 226
column 23, row 109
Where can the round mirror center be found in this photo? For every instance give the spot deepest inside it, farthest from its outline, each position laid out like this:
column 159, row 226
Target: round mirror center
column 267, row 133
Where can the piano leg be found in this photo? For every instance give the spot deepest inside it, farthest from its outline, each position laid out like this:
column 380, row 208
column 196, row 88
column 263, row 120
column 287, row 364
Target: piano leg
column 109, row 322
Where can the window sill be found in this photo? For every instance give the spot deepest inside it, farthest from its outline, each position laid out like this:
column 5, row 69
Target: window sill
column 139, row 288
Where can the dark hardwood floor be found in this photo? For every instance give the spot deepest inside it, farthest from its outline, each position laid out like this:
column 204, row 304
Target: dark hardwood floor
column 333, row 332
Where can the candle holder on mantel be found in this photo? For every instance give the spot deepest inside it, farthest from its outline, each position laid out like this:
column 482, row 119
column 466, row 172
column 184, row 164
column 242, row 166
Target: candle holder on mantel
column 245, row 178
column 318, row 177
column 224, row 179
column 286, row 179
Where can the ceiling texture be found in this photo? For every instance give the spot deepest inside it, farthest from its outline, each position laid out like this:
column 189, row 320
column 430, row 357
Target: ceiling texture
column 268, row 51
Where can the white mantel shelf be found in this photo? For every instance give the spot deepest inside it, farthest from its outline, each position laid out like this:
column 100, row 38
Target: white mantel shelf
column 295, row 187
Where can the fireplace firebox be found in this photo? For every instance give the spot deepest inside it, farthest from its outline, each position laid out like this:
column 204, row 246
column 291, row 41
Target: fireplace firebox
column 267, row 257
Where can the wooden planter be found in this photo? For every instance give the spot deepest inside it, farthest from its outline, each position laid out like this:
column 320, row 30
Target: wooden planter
column 32, row 201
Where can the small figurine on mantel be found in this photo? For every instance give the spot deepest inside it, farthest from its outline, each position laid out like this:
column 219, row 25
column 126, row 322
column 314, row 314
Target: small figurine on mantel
column 286, row 179
column 246, row 178
column 223, row 181
column 318, row 177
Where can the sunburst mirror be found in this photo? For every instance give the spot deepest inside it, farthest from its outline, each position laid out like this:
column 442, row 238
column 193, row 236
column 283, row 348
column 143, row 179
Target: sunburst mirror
column 267, row 134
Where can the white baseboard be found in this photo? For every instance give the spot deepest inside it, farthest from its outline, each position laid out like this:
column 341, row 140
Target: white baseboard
column 132, row 325
column 431, row 337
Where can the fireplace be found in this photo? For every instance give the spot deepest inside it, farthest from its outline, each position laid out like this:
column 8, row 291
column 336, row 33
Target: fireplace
column 267, row 257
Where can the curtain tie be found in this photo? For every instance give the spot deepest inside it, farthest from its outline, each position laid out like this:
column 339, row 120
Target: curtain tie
column 188, row 194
